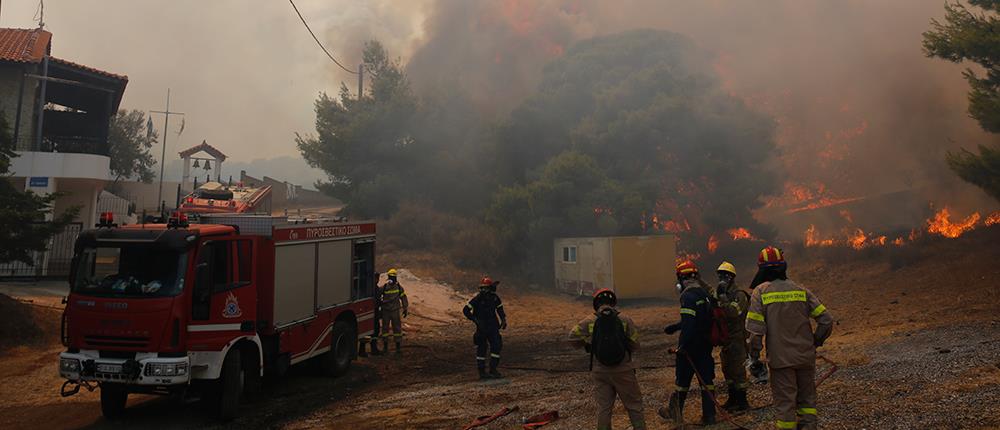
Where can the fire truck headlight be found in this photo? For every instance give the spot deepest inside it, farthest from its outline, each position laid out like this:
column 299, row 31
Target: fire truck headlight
column 69, row 365
column 166, row 369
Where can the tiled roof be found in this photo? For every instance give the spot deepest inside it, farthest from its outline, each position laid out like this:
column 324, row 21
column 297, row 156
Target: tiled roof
column 22, row 45
column 88, row 69
column 203, row 146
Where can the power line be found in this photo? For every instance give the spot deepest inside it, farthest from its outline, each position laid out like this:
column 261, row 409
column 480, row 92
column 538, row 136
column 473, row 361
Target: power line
column 317, row 39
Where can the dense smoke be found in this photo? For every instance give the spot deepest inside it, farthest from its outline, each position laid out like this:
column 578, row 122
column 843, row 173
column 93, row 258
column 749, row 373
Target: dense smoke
column 861, row 111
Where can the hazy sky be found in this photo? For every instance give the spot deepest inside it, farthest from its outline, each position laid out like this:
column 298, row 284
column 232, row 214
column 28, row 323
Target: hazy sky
column 245, row 73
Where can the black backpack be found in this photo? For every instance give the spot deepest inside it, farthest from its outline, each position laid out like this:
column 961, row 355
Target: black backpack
column 609, row 343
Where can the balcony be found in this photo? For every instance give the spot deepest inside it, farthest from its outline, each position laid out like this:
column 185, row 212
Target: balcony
column 64, row 145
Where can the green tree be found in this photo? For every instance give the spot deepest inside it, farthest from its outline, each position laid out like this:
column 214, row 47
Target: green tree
column 967, row 35
column 129, row 143
column 364, row 144
column 571, row 196
column 20, row 235
column 647, row 107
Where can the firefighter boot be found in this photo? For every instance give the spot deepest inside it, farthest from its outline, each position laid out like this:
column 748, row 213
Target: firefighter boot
column 375, row 350
column 399, row 347
column 707, row 407
column 675, row 407
column 385, row 344
column 481, row 366
column 361, row 349
column 737, row 401
column 494, row 362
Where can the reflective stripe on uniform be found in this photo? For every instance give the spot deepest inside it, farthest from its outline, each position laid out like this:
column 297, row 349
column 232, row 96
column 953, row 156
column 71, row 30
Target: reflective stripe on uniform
column 681, row 389
column 495, row 355
column 391, row 292
column 785, row 424
column 469, row 305
column 817, row 311
column 500, row 306
column 480, row 358
column 806, row 411
column 709, row 387
column 783, row 296
column 688, row 311
column 755, row 316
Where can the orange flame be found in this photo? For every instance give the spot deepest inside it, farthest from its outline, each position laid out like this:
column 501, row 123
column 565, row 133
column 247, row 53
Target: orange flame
column 741, row 233
column 857, row 239
column 713, row 244
column 941, row 224
column 812, row 238
column 994, row 218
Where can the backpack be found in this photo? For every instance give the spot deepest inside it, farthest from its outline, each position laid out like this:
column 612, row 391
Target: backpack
column 720, row 330
column 609, row 343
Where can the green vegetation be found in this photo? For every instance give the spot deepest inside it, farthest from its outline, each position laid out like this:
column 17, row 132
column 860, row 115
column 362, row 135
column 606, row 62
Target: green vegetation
column 621, row 130
column 967, row 35
column 129, row 143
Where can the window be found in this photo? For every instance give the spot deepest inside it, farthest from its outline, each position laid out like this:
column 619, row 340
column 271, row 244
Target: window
column 569, row 254
column 221, row 264
column 124, row 271
column 244, row 261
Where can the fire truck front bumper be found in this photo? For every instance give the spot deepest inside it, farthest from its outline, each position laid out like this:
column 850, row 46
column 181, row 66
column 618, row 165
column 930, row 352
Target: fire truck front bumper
column 144, row 369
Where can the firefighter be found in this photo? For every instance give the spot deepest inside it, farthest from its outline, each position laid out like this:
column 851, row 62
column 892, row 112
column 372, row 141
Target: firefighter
column 694, row 350
column 486, row 310
column 734, row 303
column 392, row 300
column 779, row 315
column 611, row 338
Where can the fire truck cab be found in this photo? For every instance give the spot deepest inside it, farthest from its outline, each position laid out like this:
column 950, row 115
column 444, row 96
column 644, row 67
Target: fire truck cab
column 208, row 309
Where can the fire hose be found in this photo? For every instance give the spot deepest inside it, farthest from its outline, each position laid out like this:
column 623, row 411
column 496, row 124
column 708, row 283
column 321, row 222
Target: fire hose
column 711, row 395
column 486, row 419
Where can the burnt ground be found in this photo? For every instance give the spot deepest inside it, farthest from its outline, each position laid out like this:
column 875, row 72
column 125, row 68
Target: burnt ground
column 917, row 345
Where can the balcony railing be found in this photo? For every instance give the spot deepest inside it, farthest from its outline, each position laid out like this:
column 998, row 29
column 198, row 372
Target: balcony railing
column 64, row 144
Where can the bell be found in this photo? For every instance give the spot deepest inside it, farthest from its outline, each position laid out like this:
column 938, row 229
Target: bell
column 208, row 165
column 196, row 164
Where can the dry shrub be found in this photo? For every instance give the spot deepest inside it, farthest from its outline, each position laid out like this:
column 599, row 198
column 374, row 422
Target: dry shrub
column 417, row 226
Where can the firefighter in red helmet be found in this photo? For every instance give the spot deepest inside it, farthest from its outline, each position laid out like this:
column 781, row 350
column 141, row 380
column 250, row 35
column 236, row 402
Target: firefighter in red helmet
column 486, row 310
column 694, row 349
column 779, row 314
column 611, row 339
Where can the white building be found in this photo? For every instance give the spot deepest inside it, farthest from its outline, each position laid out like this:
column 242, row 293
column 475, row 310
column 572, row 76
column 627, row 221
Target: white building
column 59, row 113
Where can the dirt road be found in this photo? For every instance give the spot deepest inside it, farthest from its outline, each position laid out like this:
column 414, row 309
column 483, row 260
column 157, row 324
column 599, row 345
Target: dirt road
column 919, row 347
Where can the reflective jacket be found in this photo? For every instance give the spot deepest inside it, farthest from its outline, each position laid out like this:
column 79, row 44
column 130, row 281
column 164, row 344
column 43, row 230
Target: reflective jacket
column 780, row 311
column 696, row 317
column 486, row 310
column 392, row 297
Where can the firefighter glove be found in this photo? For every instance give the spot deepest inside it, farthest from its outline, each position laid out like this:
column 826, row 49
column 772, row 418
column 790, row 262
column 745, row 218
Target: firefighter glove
column 672, row 328
column 503, row 325
column 405, row 312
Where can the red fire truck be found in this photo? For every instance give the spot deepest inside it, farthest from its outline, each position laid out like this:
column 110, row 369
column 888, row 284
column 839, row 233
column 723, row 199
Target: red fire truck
column 207, row 309
column 216, row 197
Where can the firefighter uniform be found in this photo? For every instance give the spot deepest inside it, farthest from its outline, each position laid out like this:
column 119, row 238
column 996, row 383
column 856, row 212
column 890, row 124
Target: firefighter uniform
column 486, row 310
column 694, row 352
column 780, row 312
column 393, row 301
column 613, row 381
column 733, row 355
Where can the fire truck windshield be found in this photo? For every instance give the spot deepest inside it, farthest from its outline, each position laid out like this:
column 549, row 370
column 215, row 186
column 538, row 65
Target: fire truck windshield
column 130, row 271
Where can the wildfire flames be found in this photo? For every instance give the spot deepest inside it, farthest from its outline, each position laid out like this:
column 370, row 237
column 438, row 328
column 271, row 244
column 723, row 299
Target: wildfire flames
column 939, row 224
column 713, row 244
column 741, row 234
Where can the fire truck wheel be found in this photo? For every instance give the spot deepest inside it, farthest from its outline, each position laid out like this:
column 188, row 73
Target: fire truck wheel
column 113, row 400
column 342, row 342
column 231, row 381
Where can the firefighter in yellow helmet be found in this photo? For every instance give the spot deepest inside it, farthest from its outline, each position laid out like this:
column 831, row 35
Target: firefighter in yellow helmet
column 779, row 314
column 734, row 303
column 392, row 299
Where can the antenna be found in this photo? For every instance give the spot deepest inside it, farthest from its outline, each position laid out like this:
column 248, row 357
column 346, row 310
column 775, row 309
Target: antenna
column 40, row 14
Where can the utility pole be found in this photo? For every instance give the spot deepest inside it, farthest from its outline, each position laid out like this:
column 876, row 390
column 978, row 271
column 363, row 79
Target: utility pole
column 361, row 80
column 163, row 153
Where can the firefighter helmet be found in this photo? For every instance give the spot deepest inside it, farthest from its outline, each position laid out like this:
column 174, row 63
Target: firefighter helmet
column 771, row 257
column 727, row 267
column 391, row 272
column 686, row 268
column 485, row 282
column 604, row 295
